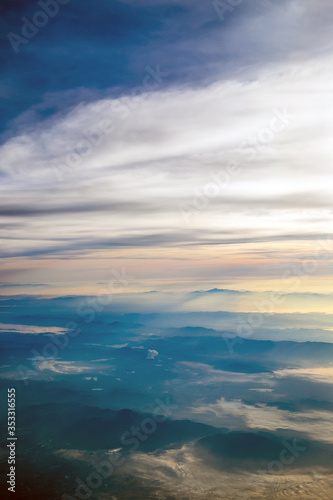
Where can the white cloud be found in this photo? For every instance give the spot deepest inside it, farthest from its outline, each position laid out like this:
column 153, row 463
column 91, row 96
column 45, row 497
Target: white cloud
column 152, row 354
column 169, row 145
column 317, row 374
column 31, row 329
column 184, row 473
column 316, row 423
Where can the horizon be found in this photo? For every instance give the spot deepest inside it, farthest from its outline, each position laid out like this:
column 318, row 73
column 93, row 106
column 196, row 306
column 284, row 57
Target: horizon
column 166, row 301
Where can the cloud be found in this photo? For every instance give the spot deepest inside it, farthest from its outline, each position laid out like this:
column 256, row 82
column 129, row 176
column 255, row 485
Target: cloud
column 318, row 374
column 24, row 285
column 31, row 329
column 235, row 414
column 68, row 367
column 152, row 354
column 156, row 179
column 184, row 473
column 149, row 181
column 188, row 39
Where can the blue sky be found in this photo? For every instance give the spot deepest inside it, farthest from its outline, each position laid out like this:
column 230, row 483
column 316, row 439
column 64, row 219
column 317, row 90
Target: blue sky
column 188, row 145
column 165, row 216
column 85, row 52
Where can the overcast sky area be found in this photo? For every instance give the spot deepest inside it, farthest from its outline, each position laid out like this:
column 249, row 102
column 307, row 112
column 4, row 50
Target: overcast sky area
column 188, row 145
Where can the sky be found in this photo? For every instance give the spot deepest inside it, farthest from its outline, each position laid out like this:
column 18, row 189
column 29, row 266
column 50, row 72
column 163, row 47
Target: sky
column 165, row 219
column 182, row 145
